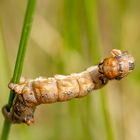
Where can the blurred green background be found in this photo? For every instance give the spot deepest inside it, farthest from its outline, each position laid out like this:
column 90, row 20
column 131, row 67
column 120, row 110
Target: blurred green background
column 68, row 36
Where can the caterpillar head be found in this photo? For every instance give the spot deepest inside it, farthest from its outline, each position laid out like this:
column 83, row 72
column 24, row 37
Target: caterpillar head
column 118, row 65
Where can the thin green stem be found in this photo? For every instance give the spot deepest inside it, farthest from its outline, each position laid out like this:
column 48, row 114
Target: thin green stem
column 19, row 61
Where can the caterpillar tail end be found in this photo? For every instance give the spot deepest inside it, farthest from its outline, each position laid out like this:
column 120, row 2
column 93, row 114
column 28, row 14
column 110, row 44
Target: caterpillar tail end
column 7, row 115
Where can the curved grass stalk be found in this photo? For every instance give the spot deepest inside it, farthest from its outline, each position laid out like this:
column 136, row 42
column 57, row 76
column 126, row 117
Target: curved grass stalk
column 19, row 61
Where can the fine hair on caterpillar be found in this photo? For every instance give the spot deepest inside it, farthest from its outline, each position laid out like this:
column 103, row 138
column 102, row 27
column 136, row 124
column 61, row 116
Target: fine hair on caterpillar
column 33, row 92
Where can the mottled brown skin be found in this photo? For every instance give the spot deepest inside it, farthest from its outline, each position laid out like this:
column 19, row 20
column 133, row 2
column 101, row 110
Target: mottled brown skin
column 31, row 93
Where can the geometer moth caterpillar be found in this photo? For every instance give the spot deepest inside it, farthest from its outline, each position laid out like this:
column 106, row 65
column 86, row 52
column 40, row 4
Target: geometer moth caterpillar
column 33, row 92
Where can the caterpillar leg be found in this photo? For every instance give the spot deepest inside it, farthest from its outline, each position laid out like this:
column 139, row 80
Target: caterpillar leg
column 14, row 118
column 7, row 115
column 22, row 112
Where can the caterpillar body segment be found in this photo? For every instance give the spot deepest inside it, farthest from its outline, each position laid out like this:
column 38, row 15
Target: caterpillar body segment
column 59, row 88
column 33, row 92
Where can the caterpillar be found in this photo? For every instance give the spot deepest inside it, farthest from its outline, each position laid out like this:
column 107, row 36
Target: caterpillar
column 33, row 92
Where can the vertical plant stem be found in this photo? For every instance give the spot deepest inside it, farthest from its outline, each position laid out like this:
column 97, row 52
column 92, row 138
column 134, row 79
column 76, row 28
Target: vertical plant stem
column 20, row 59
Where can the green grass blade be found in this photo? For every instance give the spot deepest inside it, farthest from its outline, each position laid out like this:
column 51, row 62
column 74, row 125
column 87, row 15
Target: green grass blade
column 20, row 59
column 23, row 45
